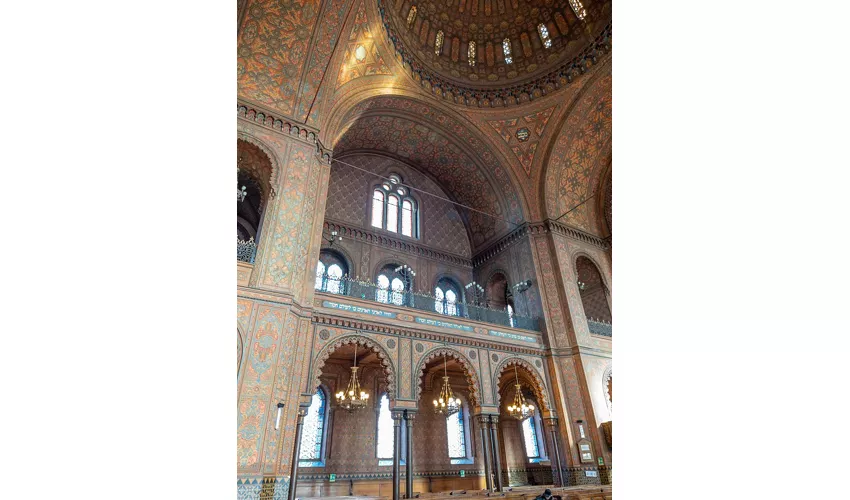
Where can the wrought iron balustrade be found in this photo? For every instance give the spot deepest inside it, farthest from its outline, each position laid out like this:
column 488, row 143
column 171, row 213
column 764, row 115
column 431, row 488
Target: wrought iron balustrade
column 246, row 251
column 370, row 291
column 599, row 327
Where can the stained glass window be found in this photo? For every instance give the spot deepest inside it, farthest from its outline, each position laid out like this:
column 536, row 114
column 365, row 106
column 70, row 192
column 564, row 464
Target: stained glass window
column 392, row 214
column 398, row 291
column 385, row 429
column 529, row 434
column 314, row 429
column 382, row 295
column 506, row 48
column 451, row 300
column 411, row 16
column 334, row 274
column 578, row 8
column 456, row 435
column 544, row 35
column 320, row 274
column 470, row 53
column 407, row 218
column 438, row 45
column 378, row 208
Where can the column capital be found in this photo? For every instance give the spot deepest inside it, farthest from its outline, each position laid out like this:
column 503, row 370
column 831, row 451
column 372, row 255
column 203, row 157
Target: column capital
column 397, row 416
column 551, row 420
column 494, row 420
column 410, row 417
column 482, row 419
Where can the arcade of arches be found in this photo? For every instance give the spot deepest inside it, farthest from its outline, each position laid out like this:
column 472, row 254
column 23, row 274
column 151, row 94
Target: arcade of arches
column 423, row 192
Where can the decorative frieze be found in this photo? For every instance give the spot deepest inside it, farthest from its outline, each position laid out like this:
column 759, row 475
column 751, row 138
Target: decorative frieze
column 273, row 121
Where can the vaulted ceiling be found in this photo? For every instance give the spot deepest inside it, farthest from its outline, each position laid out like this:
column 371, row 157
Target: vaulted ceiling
column 521, row 147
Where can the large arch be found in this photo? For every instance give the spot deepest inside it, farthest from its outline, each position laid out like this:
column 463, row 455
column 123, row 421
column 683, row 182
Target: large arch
column 577, row 158
column 439, row 143
column 468, row 367
column 384, row 356
column 537, row 385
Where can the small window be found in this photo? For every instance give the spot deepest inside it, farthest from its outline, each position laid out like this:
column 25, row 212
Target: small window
column 506, row 48
column 398, row 291
column 529, row 434
column 544, row 35
column 313, row 432
column 438, row 45
column 446, row 297
column 320, row 274
column 406, row 217
column 578, row 8
column 378, row 208
column 411, row 16
column 511, row 315
column 439, row 297
column 392, row 214
column 382, row 294
column 385, row 429
column 470, row 53
column 456, row 435
column 330, row 271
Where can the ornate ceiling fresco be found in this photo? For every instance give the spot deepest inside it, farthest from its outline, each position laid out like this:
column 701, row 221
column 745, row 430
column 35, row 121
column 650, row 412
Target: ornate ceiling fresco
column 444, row 148
column 471, row 51
column 579, row 157
column 523, row 141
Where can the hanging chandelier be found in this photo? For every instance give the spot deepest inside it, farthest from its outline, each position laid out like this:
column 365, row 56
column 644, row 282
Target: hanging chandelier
column 352, row 398
column 447, row 404
column 519, row 410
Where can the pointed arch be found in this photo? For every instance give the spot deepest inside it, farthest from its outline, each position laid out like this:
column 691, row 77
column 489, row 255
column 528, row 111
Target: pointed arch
column 384, row 356
column 472, row 377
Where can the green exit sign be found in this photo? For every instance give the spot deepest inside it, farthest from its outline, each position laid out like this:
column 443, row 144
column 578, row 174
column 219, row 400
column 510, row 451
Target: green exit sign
column 463, row 473
column 332, row 478
column 600, row 460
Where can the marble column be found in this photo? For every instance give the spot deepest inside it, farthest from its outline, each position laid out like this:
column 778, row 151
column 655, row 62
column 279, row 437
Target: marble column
column 296, row 452
column 483, row 424
column 497, row 459
column 552, row 423
column 397, row 416
column 409, row 416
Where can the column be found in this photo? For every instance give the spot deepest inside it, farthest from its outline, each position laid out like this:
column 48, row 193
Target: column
column 296, row 452
column 497, row 459
column 552, row 423
column 409, row 416
column 397, row 416
column 485, row 443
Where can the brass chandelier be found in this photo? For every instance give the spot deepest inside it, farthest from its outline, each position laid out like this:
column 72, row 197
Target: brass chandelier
column 447, row 404
column 353, row 398
column 519, row 410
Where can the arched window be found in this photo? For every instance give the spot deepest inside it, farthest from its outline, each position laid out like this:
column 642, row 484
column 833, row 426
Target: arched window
column 578, row 8
column 385, row 434
column 394, row 209
column 313, row 433
column 385, row 429
column 438, row 45
column 329, row 272
column 530, row 437
column 394, row 281
column 411, row 16
column 544, row 35
column 506, row 48
column 456, row 433
column 470, row 53
column 511, row 314
column 447, row 296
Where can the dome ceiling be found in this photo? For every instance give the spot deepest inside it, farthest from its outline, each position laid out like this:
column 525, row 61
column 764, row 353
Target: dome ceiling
column 435, row 40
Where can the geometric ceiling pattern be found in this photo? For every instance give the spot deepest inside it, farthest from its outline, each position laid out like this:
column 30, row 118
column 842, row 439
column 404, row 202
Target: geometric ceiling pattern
column 580, row 155
column 523, row 135
column 361, row 52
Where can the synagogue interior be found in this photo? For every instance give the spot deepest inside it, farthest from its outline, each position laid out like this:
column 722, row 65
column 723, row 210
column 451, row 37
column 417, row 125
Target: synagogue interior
column 424, row 249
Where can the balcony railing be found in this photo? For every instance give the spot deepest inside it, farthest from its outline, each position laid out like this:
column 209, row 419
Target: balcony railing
column 423, row 302
column 599, row 327
column 246, row 251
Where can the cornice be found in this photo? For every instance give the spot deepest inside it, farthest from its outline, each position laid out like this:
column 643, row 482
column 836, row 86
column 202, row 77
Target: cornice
column 283, row 125
column 508, row 96
column 534, row 229
column 366, row 236
column 323, row 318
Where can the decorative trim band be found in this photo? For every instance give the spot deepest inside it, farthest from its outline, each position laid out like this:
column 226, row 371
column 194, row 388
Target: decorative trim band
column 354, row 324
column 537, row 228
column 367, row 236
